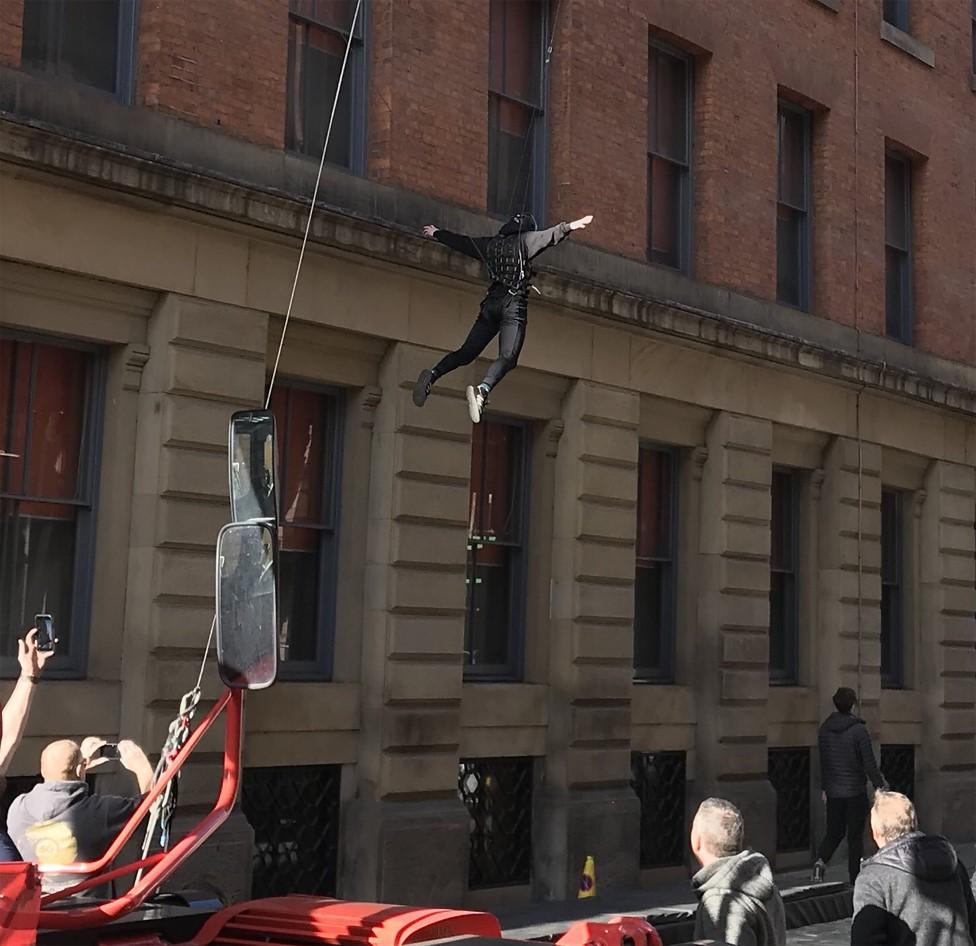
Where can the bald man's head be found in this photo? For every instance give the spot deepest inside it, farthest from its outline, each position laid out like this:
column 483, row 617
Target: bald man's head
column 60, row 761
column 892, row 817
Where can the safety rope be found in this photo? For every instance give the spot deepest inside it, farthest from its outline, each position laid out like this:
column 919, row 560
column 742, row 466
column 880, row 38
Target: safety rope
column 163, row 809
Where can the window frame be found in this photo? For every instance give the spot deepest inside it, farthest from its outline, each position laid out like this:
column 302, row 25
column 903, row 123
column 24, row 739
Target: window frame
column 125, row 58
column 903, row 17
column 536, row 202
column 790, row 674
column 357, row 83
column 806, row 225
column 665, row 674
column 972, row 62
column 893, row 676
column 514, row 669
column 321, row 669
column 656, row 47
column 71, row 663
column 905, row 254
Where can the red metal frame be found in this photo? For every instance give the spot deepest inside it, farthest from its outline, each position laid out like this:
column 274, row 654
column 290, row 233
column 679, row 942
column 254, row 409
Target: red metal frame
column 161, row 866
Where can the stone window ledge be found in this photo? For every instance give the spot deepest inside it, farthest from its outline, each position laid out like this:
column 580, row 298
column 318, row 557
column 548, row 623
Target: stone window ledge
column 830, row 4
column 908, row 44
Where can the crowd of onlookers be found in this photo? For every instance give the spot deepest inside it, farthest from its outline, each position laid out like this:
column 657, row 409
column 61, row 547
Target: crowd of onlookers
column 913, row 892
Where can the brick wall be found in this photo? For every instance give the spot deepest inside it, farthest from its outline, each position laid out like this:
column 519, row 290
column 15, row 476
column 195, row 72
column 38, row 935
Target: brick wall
column 11, row 16
column 219, row 63
column 223, row 63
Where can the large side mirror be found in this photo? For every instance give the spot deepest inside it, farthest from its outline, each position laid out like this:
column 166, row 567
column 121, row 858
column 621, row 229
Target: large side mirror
column 252, row 466
column 247, row 605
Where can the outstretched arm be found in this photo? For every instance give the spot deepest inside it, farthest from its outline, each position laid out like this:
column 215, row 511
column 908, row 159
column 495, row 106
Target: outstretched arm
column 870, row 764
column 537, row 241
column 15, row 711
column 467, row 245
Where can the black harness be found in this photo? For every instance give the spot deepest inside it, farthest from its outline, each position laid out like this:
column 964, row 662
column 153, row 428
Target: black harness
column 507, row 265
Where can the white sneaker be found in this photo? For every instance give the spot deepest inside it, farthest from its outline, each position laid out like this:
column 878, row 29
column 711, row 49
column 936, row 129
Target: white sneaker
column 476, row 402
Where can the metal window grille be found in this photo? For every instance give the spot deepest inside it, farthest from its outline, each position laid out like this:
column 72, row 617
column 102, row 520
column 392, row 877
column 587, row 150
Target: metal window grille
column 294, row 811
column 898, row 767
column 658, row 779
column 498, row 796
column 789, row 773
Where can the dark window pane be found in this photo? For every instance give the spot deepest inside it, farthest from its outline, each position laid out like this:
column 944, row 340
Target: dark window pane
column 314, row 64
column 494, row 553
column 515, row 44
column 649, row 616
column 892, row 627
column 510, row 155
column 668, row 97
column 896, row 294
column 896, row 13
column 896, row 203
column 665, row 188
column 75, row 39
column 789, row 255
column 337, row 13
column 782, row 521
column 792, row 158
column 298, row 585
column 654, row 505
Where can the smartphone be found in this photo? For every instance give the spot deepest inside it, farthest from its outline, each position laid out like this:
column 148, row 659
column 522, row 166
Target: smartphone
column 108, row 751
column 45, row 631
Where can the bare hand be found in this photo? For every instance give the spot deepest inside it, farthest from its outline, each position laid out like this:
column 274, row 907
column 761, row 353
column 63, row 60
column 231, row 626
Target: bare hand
column 582, row 223
column 89, row 746
column 31, row 659
column 429, row 231
column 130, row 755
column 823, row 797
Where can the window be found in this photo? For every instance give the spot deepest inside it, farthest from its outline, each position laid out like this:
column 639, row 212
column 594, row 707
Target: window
column 516, row 131
column 87, row 41
column 892, row 591
column 495, row 571
column 784, row 610
column 793, row 206
column 898, row 248
column 308, row 431
column 654, row 583
column 896, row 13
column 49, row 426
column 318, row 31
column 669, row 158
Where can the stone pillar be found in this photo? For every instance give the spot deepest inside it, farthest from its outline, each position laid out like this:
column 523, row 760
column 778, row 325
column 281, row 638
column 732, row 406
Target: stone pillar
column 732, row 672
column 849, row 652
column 587, row 805
column 406, row 831
column 205, row 361
column 946, row 760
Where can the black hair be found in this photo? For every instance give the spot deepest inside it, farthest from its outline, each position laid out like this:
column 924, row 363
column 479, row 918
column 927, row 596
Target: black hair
column 844, row 699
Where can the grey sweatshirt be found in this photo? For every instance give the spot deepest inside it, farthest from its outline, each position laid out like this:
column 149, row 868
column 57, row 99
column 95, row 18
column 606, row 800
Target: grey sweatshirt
column 914, row 890
column 739, row 903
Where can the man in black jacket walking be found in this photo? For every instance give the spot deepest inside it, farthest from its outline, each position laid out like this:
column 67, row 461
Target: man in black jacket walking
column 507, row 257
column 846, row 760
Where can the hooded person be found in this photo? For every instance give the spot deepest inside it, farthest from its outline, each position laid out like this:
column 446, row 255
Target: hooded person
column 914, row 890
column 738, row 902
column 507, row 257
column 846, row 762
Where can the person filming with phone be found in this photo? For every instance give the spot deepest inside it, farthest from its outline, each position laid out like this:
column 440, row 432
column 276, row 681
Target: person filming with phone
column 14, row 716
column 60, row 821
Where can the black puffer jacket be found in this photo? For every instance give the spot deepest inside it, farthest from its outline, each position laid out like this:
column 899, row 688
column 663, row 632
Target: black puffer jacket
column 914, row 891
column 846, row 757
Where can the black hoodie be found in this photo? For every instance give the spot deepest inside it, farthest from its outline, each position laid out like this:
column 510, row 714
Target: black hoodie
column 846, row 757
column 914, row 891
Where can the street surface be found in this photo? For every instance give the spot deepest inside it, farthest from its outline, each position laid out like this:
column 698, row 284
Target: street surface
column 825, row 934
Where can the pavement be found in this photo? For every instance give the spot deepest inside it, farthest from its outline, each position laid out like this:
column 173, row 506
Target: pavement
column 824, row 934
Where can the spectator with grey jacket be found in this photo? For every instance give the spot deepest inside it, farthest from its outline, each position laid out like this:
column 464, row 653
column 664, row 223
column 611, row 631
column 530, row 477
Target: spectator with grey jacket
column 914, row 891
column 846, row 762
column 738, row 902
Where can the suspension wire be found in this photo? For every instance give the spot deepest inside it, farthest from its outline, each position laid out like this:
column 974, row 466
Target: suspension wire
column 311, row 209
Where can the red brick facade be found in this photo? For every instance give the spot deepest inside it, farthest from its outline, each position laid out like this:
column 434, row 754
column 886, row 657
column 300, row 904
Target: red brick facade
column 223, row 64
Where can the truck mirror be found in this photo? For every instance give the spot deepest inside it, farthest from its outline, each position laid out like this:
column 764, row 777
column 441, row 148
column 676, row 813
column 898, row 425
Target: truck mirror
column 252, row 466
column 247, row 605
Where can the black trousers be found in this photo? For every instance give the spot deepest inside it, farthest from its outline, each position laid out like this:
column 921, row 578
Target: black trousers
column 502, row 315
column 846, row 816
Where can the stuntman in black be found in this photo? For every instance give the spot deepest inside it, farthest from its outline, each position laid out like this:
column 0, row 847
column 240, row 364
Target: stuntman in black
column 507, row 257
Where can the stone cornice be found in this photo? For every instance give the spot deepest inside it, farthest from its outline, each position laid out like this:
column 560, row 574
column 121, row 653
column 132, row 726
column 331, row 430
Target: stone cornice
column 920, row 377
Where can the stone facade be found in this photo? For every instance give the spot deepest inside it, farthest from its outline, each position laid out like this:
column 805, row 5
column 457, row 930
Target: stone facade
column 170, row 248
